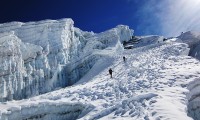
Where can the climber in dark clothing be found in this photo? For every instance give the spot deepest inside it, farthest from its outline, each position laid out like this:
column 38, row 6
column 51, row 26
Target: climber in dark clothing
column 124, row 58
column 110, row 72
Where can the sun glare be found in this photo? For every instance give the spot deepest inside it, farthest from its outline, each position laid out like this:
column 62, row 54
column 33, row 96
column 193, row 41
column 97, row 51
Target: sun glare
column 192, row 3
column 182, row 16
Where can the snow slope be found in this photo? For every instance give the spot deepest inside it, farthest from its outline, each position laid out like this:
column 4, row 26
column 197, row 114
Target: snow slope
column 157, row 81
column 50, row 54
column 150, row 85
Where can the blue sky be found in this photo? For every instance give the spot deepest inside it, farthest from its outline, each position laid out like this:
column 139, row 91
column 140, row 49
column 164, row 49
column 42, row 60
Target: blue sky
column 161, row 17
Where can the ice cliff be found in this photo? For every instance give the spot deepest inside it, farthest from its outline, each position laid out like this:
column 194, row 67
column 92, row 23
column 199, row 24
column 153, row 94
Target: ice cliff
column 38, row 57
column 192, row 38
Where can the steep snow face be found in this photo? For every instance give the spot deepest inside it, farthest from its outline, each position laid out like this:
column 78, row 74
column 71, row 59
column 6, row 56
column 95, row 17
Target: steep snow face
column 53, row 54
column 193, row 40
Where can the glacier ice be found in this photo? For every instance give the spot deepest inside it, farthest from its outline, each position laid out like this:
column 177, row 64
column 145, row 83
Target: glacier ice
column 147, row 40
column 192, row 38
column 194, row 99
column 150, row 85
column 58, row 110
column 38, row 57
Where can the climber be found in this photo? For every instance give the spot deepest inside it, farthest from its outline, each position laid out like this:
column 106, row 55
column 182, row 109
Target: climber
column 124, row 58
column 110, row 72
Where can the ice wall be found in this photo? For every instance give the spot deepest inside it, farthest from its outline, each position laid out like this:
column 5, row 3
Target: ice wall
column 11, row 66
column 193, row 40
column 49, row 54
column 43, row 46
column 194, row 99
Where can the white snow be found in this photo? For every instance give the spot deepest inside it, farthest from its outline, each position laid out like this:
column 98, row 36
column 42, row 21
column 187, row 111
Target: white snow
column 157, row 81
column 51, row 54
column 192, row 38
column 156, row 90
column 147, row 40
